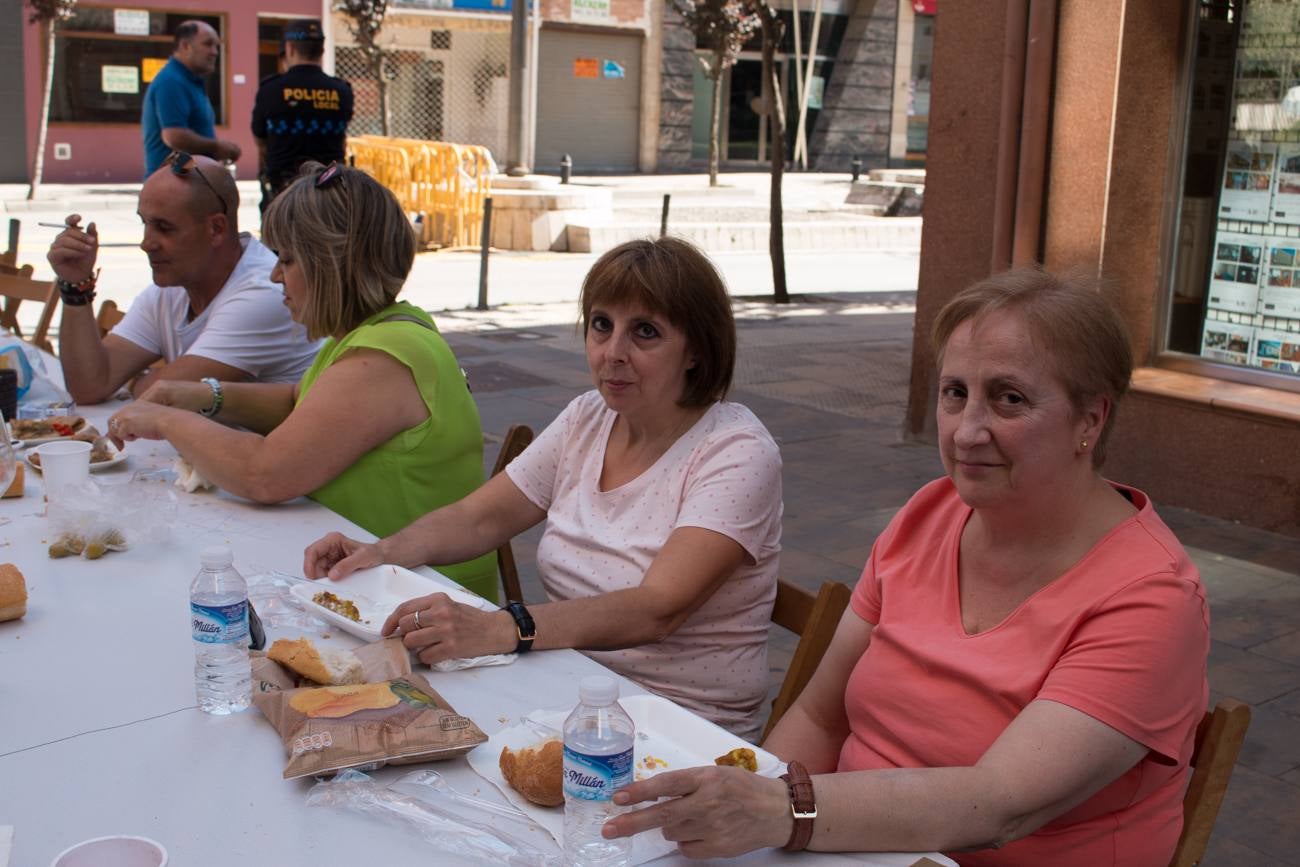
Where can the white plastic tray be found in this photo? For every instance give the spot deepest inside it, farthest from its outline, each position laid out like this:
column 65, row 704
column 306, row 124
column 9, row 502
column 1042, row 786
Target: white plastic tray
column 671, row 734
column 664, row 731
column 376, row 592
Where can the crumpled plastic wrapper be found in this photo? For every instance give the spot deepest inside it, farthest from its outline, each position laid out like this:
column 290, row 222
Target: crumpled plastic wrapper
column 449, row 821
column 91, row 520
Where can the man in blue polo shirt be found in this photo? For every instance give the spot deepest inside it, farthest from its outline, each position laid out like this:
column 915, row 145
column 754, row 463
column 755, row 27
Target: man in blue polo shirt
column 177, row 112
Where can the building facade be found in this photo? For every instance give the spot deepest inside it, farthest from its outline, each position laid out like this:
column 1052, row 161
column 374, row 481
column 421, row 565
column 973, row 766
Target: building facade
column 851, row 94
column 1156, row 144
column 105, row 57
column 613, row 84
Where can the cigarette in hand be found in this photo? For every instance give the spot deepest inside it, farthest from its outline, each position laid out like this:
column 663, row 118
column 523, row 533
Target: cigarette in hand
column 56, row 225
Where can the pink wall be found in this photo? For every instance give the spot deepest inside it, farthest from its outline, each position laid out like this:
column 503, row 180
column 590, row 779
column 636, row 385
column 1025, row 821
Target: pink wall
column 114, row 152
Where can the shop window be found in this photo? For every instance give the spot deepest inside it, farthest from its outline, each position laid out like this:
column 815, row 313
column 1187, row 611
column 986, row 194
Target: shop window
column 1236, row 280
column 105, row 58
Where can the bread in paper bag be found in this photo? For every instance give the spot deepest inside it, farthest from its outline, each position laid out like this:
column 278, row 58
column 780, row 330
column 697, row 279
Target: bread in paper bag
column 393, row 717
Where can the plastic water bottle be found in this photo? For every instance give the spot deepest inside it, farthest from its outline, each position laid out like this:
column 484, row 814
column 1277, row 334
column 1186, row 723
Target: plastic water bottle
column 219, row 624
column 598, row 738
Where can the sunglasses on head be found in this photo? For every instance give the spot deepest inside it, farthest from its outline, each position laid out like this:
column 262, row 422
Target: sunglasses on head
column 182, row 164
column 333, row 173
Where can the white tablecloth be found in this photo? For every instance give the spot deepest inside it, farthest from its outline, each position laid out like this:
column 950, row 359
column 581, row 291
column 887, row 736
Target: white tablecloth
column 99, row 733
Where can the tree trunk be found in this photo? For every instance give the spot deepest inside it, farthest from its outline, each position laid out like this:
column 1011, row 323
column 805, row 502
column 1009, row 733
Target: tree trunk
column 715, row 121
column 776, row 111
column 385, row 114
column 38, row 165
column 377, row 69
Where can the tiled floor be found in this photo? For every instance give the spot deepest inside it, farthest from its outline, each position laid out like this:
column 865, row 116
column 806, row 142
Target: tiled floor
column 828, row 377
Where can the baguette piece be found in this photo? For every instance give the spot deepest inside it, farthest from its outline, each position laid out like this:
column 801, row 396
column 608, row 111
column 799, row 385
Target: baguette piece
column 13, row 592
column 328, row 667
column 537, row 774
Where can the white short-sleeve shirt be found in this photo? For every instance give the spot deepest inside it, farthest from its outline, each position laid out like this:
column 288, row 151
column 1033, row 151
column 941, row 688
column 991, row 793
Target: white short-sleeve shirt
column 724, row 474
column 246, row 326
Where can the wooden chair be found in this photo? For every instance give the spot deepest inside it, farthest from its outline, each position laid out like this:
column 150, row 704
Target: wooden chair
column 515, row 441
column 1218, row 741
column 814, row 619
column 109, row 315
column 20, row 287
column 10, row 256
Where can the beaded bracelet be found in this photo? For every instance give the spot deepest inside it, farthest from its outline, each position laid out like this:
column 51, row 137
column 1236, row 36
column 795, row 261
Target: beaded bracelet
column 80, row 293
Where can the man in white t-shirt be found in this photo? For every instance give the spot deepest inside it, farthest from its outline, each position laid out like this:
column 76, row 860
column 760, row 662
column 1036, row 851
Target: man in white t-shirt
column 212, row 310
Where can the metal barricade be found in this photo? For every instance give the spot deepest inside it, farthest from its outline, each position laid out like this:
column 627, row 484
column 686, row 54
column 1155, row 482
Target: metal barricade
column 446, row 184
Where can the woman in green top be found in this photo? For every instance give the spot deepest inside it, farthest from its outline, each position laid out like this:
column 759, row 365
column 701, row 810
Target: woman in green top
column 382, row 428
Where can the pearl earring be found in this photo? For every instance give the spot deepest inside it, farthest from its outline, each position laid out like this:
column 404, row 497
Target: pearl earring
column 1083, row 445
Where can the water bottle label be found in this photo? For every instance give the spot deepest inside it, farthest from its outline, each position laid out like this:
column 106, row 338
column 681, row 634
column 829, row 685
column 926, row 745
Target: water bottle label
column 596, row 778
column 219, row 624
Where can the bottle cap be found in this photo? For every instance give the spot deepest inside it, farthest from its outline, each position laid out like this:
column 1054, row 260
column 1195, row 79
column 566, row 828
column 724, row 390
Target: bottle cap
column 216, row 557
column 598, row 690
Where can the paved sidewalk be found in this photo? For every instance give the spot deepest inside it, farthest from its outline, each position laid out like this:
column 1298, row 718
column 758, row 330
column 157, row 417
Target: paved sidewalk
column 449, row 279
column 828, row 376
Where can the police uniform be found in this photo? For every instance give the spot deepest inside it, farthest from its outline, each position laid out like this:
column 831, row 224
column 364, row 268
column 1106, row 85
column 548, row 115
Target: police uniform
column 302, row 114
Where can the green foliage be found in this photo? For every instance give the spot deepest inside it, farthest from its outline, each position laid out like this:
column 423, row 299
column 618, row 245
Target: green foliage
column 365, row 20
column 51, row 11
column 723, row 25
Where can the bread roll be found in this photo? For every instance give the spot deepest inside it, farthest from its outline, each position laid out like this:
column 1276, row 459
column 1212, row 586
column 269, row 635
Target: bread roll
column 537, row 774
column 13, row 592
column 328, row 667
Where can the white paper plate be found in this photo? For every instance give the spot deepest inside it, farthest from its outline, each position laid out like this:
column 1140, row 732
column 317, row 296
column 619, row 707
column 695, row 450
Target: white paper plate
column 117, row 458
column 35, row 441
column 376, row 592
column 664, row 731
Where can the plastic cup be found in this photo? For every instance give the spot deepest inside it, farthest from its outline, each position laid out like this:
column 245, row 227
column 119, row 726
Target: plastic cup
column 64, row 463
column 116, row 851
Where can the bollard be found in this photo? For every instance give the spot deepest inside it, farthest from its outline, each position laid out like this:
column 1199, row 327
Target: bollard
column 856, row 167
column 566, row 168
column 663, row 217
column 485, row 238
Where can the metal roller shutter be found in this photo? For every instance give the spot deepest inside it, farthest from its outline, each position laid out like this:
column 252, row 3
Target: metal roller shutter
column 584, row 108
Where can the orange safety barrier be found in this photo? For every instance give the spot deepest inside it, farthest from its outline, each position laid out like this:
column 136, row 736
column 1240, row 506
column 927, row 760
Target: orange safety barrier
column 445, row 183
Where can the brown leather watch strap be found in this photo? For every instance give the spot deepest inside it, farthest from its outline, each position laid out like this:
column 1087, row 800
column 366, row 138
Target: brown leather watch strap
column 803, row 806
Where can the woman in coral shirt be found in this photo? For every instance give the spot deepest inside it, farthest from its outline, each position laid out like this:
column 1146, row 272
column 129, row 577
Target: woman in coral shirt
column 1021, row 671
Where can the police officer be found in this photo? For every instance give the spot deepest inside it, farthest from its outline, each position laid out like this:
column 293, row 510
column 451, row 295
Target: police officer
column 301, row 114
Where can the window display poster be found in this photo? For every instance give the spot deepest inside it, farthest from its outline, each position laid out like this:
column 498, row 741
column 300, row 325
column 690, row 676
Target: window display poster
column 1227, row 341
column 1247, row 181
column 131, row 22
column 1276, row 350
column 150, row 67
column 1286, row 193
column 119, row 79
column 1234, row 277
column 1281, row 293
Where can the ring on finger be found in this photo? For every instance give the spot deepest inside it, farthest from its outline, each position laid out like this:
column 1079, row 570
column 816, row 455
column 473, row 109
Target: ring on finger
column 417, row 620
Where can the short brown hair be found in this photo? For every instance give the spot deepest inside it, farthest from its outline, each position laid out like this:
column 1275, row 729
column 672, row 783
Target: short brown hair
column 1069, row 319
column 672, row 278
column 352, row 241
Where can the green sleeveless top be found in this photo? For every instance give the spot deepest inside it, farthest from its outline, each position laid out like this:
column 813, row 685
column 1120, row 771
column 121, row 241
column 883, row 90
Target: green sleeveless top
column 422, row 468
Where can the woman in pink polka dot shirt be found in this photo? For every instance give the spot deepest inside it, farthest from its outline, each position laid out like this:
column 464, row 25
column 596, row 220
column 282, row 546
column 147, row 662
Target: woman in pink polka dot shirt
column 662, row 503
